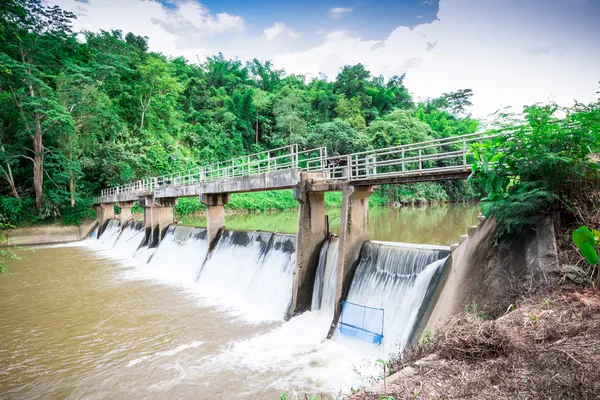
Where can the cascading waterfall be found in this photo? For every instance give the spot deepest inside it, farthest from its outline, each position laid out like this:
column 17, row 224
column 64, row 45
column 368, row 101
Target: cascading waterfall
column 252, row 271
column 325, row 280
column 130, row 238
column 397, row 280
column 180, row 254
column 111, row 233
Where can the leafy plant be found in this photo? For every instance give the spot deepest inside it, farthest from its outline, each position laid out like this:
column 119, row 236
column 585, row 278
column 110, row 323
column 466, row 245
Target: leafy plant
column 587, row 241
column 385, row 365
column 6, row 253
column 530, row 166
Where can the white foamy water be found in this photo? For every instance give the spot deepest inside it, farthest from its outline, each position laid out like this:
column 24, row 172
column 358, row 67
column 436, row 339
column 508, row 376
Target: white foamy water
column 111, row 233
column 179, row 256
column 252, row 271
column 130, row 239
column 387, row 293
column 325, row 280
column 167, row 353
column 300, row 359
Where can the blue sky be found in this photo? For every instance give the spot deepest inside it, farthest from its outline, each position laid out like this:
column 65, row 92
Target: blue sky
column 372, row 19
column 510, row 52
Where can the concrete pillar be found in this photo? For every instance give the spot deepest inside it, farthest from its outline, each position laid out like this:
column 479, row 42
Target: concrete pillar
column 312, row 231
column 125, row 207
column 354, row 231
column 158, row 215
column 106, row 212
column 215, row 215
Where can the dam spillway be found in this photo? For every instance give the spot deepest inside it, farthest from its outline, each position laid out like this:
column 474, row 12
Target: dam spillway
column 252, row 272
column 390, row 290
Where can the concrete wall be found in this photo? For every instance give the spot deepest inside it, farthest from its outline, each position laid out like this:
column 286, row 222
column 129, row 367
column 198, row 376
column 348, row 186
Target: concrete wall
column 493, row 277
column 48, row 234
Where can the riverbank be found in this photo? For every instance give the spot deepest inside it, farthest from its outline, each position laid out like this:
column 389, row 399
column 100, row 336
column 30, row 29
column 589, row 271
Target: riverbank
column 546, row 347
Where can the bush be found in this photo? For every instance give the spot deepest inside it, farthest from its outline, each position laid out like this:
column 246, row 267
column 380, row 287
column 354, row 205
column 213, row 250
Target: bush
column 189, row 205
column 16, row 212
column 531, row 167
column 82, row 211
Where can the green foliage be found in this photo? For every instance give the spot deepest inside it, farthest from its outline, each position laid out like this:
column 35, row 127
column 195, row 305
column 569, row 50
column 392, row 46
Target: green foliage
column 111, row 111
column 6, row 253
column 587, row 241
column 81, row 211
column 137, row 209
column 532, row 164
column 189, row 205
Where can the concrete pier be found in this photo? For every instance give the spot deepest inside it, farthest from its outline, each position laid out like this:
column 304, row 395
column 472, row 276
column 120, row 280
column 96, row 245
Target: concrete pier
column 125, row 214
column 158, row 215
column 106, row 212
column 215, row 215
column 312, row 231
column 354, row 231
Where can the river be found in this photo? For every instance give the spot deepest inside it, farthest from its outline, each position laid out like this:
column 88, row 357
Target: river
column 80, row 321
column 440, row 224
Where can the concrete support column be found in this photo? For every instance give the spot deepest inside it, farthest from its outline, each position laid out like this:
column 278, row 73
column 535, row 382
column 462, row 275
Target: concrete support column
column 125, row 207
column 106, row 212
column 158, row 215
column 312, row 231
column 215, row 215
column 354, row 231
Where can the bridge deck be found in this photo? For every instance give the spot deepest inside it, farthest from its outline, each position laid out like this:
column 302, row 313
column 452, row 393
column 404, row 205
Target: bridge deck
column 437, row 160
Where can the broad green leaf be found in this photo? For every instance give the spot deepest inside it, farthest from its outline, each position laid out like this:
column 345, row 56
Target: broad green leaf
column 583, row 235
column 589, row 253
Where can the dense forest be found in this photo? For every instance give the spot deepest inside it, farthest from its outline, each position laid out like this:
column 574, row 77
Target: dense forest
column 81, row 111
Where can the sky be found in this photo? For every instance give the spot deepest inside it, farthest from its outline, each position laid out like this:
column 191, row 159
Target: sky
column 509, row 52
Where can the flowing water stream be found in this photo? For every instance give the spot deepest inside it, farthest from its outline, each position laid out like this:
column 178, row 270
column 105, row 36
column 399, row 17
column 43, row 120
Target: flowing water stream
column 106, row 318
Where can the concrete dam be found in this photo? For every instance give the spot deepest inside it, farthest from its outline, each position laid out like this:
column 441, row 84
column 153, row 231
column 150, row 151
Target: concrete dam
column 379, row 296
column 253, row 272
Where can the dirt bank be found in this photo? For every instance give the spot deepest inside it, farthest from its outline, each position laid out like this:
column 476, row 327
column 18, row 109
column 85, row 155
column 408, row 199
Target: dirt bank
column 547, row 348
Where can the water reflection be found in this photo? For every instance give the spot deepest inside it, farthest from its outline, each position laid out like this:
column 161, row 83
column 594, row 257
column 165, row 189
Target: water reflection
column 440, row 224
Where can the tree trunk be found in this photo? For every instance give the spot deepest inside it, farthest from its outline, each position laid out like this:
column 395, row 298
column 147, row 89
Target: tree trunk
column 256, row 125
column 38, row 162
column 10, row 179
column 71, row 178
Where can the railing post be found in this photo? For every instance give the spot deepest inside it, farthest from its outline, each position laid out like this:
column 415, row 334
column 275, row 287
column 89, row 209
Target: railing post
column 349, row 162
column 420, row 161
column 464, row 143
column 403, row 160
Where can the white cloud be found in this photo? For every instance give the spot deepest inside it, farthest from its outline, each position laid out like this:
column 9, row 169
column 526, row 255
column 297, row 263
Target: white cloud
column 339, row 12
column 194, row 18
column 490, row 47
column 279, row 29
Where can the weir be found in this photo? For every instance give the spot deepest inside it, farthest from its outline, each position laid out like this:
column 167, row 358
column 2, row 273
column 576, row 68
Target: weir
column 390, row 289
column 325, row 280
column 253, row 271
column 285, row 275
column 184, row 249
column 390, row 292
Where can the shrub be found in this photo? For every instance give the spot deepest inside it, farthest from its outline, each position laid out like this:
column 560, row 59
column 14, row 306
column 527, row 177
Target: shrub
column 532, row 165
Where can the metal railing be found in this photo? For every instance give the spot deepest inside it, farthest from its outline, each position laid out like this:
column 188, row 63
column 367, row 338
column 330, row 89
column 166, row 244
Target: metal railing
column 281, row 158
column 440, row 155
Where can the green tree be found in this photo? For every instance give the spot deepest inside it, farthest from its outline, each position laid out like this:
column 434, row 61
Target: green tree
column 349, row 110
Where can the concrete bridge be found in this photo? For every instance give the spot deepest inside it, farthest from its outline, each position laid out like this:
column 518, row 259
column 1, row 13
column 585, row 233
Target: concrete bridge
column 310, row 173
